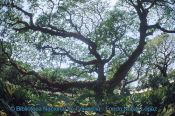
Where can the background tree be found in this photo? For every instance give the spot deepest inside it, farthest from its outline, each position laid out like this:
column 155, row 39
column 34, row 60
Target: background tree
column 159, row 60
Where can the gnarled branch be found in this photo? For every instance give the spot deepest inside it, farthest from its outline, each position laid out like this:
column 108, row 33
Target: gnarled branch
column 66, row 53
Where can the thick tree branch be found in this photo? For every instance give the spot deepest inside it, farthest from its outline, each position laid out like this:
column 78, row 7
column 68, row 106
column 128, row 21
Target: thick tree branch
column 157, row 26
column 137, row 77
column 58, row 32
column 20, row 9
column 52, row 30
column 50, row 85
column 125, row 67
column 164, row 30
column 58, row 87
column 123, row 70
column 66, row 53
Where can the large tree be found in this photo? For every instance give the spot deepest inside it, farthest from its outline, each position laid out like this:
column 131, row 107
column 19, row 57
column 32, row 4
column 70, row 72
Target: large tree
column 84, row 34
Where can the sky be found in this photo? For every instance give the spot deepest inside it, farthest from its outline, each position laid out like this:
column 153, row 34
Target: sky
column 112, row 2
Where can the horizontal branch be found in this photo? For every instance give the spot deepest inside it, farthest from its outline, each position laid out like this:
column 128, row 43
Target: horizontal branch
column 52, row 30
column 66, row 53
column 57, row 87
column 50, row 85
column 165, row 30
column 157, row 26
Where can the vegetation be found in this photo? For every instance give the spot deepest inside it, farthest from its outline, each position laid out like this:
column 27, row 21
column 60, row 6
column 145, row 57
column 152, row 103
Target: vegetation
column 83, row 57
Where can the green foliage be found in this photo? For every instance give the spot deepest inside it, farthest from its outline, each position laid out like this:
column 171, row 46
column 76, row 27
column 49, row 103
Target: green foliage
column 111, row 29
column 72, row 3
column 5, row 49
column 71, row 74
column 169, row 111
column 157, row 41
column 86, row 98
